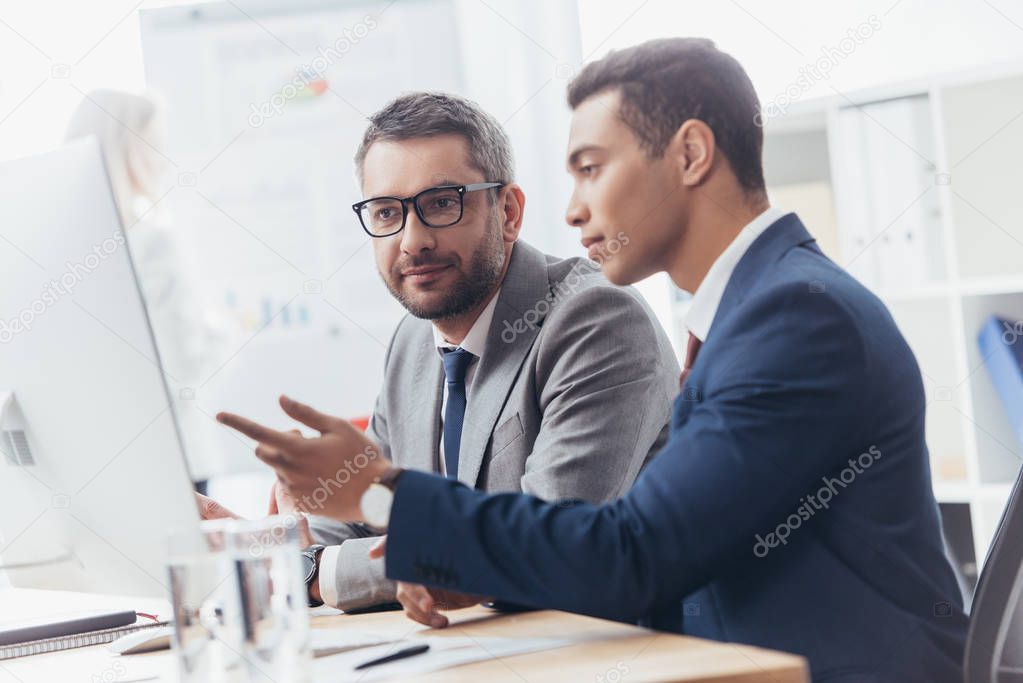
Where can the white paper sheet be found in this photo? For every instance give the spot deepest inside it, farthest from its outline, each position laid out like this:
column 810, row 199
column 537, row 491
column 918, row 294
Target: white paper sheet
column 444, row 653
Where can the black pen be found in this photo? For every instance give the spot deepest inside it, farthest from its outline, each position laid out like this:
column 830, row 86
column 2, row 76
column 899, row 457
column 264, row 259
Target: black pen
column 411, row 651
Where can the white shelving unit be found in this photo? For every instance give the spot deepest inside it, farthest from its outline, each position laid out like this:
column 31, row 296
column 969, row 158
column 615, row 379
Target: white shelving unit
column 917, row 190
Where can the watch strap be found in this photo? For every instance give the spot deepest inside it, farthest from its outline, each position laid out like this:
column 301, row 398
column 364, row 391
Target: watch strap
column 313, row 552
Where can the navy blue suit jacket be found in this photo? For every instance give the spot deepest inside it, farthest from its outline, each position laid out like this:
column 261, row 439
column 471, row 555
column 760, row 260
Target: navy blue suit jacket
column 791, row 507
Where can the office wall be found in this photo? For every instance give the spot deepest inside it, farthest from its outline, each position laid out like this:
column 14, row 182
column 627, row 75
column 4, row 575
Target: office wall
column 265, row 110
column 774, row 39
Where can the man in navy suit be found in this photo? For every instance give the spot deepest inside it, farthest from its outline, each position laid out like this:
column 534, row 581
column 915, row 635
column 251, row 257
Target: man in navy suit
column 791, row 507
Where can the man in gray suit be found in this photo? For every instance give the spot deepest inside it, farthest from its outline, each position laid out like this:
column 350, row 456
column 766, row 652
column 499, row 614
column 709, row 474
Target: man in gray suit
column 515, row 371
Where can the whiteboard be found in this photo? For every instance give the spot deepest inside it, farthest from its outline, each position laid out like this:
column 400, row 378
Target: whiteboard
column 266, row 104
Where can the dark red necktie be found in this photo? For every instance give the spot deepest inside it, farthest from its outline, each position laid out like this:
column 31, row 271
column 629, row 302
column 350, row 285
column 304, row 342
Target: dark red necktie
column 691, row 350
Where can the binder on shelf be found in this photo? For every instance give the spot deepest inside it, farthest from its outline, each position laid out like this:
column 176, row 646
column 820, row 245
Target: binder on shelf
column 1001, row 346
column 889, row 220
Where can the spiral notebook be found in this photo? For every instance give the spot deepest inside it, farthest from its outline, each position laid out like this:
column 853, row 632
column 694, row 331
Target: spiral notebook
column 64, row 635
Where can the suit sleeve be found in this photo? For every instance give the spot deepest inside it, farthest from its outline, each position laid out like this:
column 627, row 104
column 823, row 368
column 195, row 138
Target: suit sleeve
column 599, row 352
column 776, row 411
column 348, row 579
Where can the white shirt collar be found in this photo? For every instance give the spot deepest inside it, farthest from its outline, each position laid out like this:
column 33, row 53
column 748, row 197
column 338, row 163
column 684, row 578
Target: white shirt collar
column 476, row 339
column 708, row 295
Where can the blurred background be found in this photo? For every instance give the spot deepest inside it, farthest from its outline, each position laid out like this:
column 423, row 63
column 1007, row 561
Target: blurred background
column 893, row 127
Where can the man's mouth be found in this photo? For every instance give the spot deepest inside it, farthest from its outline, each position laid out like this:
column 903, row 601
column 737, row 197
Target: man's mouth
column 592, row 245
column 424, row 274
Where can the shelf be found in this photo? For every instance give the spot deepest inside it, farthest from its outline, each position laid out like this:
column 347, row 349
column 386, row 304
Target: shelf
column 953, row 492
column 947, row 428
column 919, row 293
column 998, row 491
column 963, row 492
column 992, row 285
column 999, row 450
column 982, row 140
column 934, row 227
column 978, row 286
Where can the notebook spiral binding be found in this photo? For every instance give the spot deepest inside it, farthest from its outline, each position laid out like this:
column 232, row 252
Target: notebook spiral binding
column 37, row 647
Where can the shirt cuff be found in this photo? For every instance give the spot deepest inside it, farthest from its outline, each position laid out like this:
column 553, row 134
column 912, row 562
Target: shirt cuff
column 328, row 575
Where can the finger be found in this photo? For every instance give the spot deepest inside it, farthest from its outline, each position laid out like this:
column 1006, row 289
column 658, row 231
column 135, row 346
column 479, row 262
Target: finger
column 285, row 501
column 256, row 431
column 428, row 605
column 378, row 550
column 415, row 614
column 273, row 457
column 264, row 451
column 408, row 597
column 309, row 416
column 437, row 620
column 272, row 510
column 283, row 483
column 211, row 509
column 305, row 536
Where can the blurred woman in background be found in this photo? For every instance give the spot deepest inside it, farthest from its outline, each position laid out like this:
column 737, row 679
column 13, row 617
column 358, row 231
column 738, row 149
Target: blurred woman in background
column 190, row 337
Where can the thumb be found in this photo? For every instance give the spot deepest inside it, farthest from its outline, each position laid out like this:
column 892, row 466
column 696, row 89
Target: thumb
column 273, row 510
column 280, row 500
column 378, row 550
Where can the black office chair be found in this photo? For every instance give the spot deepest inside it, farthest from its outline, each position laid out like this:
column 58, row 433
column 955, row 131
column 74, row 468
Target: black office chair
column 994, row 644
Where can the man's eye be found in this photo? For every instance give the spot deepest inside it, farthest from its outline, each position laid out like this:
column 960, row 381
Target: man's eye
column 588, row 169
column 443, row 202
column 384, row 214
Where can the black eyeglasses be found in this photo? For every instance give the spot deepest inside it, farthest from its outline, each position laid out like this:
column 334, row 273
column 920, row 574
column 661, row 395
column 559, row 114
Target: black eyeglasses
column 437, row 207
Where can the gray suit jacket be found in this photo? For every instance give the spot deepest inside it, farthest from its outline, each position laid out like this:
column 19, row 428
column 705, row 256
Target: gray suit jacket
column 571, row 397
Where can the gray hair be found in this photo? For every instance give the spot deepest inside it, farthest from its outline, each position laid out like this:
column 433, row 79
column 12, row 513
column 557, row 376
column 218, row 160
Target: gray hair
column 425, row 114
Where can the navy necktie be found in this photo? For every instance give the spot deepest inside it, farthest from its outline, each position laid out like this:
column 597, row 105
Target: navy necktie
column 456, row 363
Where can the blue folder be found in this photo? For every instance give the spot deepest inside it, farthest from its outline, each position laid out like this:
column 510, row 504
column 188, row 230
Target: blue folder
column 1001, row 346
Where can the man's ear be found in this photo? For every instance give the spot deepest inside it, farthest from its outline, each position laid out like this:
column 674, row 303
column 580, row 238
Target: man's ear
column 693, row 147
column 511, row 203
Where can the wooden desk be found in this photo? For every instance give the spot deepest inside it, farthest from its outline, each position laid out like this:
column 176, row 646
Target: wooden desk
column 635, row 654
column 611, row 653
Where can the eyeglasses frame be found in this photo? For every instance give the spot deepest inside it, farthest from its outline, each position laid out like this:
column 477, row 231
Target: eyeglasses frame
column 414, row 200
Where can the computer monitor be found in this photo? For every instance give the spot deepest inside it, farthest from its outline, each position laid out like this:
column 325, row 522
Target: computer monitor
column 92, row 473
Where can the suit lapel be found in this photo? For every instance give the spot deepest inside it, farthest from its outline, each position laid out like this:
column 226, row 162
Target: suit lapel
column 511, row 335
column 422, row 420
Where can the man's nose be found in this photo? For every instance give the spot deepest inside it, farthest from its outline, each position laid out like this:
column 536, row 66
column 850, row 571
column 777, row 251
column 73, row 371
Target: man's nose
column 578, row 213
column 417, row 236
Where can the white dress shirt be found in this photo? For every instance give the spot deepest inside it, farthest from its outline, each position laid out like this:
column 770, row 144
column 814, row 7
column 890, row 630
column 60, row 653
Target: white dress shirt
column 708, row 295
column 475, row 342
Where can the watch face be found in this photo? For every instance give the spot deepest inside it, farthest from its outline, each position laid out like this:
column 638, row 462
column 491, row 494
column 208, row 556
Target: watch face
column 308, row 567
column 376, row 505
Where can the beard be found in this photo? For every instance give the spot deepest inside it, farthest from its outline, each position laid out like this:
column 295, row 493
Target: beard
column 475, row 282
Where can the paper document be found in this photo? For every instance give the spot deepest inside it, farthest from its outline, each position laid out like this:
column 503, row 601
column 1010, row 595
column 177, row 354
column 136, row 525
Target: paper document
column 443, row 653
column 330, row 641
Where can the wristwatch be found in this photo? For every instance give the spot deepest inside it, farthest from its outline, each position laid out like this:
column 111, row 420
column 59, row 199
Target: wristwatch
column 377, row 499
column 311, row 570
